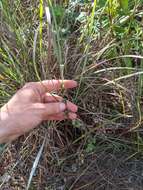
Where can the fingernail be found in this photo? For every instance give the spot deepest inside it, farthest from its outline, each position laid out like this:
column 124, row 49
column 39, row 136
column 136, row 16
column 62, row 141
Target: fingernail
column 72, row 107
column 73, row 116
column 75, row 108
column 74, row 83
column 62, row 106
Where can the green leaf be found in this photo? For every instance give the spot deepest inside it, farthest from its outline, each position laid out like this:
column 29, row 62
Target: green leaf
column 59, row 12
column 124, row 4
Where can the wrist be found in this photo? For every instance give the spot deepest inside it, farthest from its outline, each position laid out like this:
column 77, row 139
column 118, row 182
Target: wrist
column 3, row 113
column 3, row 125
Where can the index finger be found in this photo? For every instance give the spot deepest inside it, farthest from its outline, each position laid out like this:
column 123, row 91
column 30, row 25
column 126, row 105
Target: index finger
column 54, row 85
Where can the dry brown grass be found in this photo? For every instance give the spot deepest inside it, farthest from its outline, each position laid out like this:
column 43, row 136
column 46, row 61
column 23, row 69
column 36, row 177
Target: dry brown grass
column 99, row 150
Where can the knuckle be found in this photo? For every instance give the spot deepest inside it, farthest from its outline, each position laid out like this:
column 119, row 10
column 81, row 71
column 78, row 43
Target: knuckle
column 28, row 84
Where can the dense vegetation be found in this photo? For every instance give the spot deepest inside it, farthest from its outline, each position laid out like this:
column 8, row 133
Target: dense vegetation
column 98, row 43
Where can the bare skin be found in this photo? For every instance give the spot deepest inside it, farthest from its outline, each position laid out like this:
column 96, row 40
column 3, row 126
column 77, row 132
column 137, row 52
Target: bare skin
column 33, row 104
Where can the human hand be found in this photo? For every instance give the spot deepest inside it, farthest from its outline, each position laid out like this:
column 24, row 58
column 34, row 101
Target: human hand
column 33, row 104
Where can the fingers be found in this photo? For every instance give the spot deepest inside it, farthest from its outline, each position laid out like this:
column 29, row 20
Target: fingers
column 55, row 98
column 62, row 116
column 71, row 107
column 47, row 98
column 54, row 85
column 51, row 109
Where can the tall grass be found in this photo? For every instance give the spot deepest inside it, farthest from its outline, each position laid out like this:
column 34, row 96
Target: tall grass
column 99, row 44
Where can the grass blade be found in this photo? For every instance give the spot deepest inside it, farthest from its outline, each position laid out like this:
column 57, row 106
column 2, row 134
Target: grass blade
column 35, row 164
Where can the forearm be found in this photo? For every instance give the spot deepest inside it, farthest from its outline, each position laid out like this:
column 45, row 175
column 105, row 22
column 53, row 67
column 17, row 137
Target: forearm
column 2, row 124
column 6, row 126
column 8, row 130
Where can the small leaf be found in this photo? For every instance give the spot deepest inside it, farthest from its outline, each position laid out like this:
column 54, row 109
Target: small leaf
column 124, row 4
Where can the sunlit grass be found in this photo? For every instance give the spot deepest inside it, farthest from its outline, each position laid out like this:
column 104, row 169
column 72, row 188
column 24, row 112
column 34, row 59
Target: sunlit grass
column 99, row 44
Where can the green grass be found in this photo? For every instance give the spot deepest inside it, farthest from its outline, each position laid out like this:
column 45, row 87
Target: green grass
column 98, row 44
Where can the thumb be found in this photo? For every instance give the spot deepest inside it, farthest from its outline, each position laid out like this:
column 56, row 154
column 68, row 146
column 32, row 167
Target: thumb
column 49, row 109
